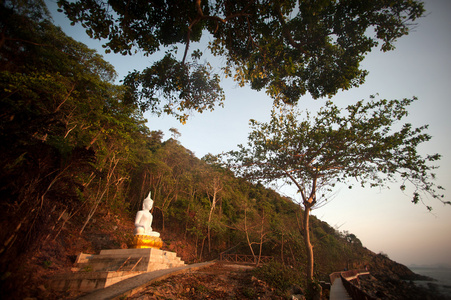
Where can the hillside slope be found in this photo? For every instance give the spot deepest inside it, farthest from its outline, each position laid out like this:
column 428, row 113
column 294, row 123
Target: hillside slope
column 110, row 228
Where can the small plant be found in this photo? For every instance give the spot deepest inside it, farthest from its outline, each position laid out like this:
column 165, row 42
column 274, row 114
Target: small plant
column 314, row 291
column 87, row 268
column 157, row 283
column 278, row 276
column 249, row 293
column 47, row 264
column 202, row 289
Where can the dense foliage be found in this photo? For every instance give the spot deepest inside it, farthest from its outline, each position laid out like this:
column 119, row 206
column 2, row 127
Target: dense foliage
column 287, row 47
column 67, row 142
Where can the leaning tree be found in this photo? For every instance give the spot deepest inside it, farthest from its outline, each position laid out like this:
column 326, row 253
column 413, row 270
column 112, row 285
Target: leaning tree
column 286, row 47
column 363, row 142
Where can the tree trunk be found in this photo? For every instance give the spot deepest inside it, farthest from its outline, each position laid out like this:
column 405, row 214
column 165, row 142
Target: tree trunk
column 262, row 236
column 260, row 249
column 162, row 220
column 94, row 207
column 293, row 257
column 186, row 222
column 313, row 290
column 212, row 191
column 308, row 245
column 212, row 208
column 202, row 248
column 247, row 235
column 281, row 252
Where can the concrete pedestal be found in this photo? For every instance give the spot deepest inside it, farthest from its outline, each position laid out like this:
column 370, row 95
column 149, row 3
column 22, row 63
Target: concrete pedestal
column 111, row 266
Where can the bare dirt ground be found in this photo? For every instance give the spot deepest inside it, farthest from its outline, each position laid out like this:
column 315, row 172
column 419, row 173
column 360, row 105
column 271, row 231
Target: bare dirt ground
column 218, row 281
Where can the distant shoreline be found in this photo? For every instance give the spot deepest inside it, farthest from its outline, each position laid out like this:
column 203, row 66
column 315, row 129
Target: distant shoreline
column 440, row 275
column 434, row 266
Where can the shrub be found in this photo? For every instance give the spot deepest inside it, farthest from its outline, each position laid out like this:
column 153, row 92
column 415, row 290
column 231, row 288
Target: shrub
column 278, row 276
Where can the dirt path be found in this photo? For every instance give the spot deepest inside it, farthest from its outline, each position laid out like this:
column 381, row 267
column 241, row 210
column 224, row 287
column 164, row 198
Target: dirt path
column 218, row 281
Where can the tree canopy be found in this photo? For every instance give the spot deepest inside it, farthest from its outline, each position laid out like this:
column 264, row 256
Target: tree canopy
column 287, row 47
column 360, row 142
column 363, row 142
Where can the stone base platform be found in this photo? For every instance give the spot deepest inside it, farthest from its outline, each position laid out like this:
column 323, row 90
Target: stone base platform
column 146, row 241
column 111, row 266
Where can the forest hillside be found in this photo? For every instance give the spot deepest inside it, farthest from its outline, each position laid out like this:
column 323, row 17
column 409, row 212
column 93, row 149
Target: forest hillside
column 77, row 160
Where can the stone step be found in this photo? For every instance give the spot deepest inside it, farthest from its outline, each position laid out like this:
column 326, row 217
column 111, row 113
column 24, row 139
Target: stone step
column 114, row 265
column 88, row 281
column 132, row 264
column 99, row 264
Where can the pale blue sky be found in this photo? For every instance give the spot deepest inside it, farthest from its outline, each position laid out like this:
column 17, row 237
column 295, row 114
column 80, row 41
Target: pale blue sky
column 384, row 220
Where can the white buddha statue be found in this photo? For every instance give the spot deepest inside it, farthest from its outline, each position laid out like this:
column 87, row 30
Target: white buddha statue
column 143, row 220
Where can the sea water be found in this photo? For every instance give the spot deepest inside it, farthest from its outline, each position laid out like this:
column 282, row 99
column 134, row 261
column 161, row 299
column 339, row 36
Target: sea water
column 442, row 275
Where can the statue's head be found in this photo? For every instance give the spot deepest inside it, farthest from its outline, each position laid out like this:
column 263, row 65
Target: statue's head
column 147, row 203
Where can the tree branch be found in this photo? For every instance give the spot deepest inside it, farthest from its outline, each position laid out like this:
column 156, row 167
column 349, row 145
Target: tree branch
column 286, row 32
column 200, row 16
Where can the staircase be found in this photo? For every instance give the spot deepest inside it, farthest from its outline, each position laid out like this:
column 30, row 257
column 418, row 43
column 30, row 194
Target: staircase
column 111, row 266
